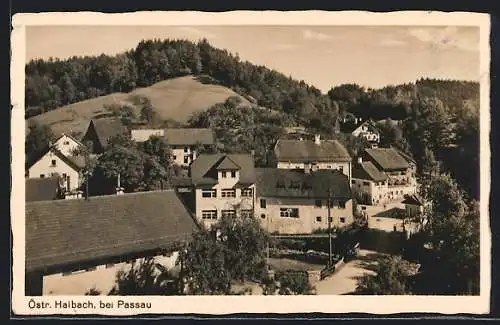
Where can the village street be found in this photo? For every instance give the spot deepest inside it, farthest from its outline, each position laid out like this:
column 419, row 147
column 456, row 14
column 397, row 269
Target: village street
column 344, row 280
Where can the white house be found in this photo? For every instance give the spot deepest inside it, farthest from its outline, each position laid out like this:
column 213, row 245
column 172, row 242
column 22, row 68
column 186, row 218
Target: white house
column 294, row 202
column 183, row 141
column 314, row 155
column 73, row 246
column 368, row 184
column 224, row 184
column 67, row 144
column 54, row 163
column 369, row 131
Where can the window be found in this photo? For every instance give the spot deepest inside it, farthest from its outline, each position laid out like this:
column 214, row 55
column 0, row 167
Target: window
column 42, row 175
column 353, row 182
column 64, row 176
column 263, row 203
column 229, row 213
column 223, row 174
column 363, row 208
column 233, row 174
column 228, row 193
column 342, row 220
column 318, row 219
column 329, row 167
column 341, row 169
column 186, row 159
column 246, row 213
column 174, row 157
column 330, row 219
column 295, row 184
column 209, row 214
column 366, row 183
column 209, row 193
column 318, row 204
column 289, row 212
column 66, row 143
column 263, row 216
column 247, row 192
column 186, row 149
column 53, row 163
column 341, row 204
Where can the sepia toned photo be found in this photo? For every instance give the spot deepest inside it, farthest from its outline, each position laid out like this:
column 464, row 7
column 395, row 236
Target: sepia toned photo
column 278, row 155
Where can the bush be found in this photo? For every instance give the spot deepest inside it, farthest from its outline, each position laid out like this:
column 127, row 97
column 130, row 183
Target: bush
column 294, row 283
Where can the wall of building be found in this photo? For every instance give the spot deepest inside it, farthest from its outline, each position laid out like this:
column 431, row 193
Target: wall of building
column 307, row 221
column 44, row 167
column 219, row 203
column 178, row 154
column 381, row 193
column 66, row 145
column 344, row 166
column 102, row 278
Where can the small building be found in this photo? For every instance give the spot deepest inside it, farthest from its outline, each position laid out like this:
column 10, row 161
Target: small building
column 100, row 131
column 414, row 205
column 68, row 144
column 368, row 131
column 313, row 155
column 224, row 184
column 184, row 143
column 76, row 245
column 368, row 184
column 54, row 163
column 400, row 172
column 294, row 202
column 43, row 189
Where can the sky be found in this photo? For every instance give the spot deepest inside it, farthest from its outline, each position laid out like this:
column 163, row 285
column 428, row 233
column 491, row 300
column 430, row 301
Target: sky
column 322, row 56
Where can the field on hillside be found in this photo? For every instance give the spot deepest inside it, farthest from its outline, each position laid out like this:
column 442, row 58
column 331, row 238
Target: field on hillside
column 175, row 99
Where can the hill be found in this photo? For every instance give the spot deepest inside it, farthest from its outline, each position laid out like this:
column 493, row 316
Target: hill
column 175, row 99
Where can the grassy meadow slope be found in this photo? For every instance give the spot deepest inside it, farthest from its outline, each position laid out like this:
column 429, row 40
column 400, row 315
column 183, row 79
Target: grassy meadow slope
column 176, row 99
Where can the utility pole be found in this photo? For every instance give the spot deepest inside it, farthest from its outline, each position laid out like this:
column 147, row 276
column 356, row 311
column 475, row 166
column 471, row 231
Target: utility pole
column 329, row 228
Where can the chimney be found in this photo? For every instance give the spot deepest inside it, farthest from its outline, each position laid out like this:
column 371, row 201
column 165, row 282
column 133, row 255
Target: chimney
column 317, row 139
column 119, row 189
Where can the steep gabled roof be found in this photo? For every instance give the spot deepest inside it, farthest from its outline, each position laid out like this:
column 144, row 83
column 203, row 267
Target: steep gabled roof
column 204, row 167
column 367, row 170
column 63, row 232
column 71, row 137
column 407, row 157
column 387, row 158
column 369, row 124
column 189, row 137
column 227, row 164
column 107, row 128
column 309, row 151
column 413, row 200
column 274, row 182
column 42, row 189
column 75, row 162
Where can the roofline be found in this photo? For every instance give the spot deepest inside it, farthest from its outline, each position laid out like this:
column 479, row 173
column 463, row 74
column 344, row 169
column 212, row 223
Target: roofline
column 71, row 137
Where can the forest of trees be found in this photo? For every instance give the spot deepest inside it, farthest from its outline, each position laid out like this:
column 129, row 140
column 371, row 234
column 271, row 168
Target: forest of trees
column 436, row 119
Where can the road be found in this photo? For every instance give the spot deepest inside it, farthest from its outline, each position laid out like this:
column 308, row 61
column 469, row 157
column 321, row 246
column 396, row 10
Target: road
column 344, row 280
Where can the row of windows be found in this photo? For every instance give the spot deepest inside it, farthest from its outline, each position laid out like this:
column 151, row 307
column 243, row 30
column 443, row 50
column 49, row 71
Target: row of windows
column 226, row 193
column 330, row 219
column 232, row 173
column 339, row 204
column 212, row 214
column 186, row 159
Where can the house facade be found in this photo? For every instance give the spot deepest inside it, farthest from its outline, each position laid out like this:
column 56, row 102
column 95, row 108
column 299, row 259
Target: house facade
column 368, row 184
column 64, row 258
column 67, row 144
column 368, row 131
column 293, row 202
column 308, row 155
column 55, row 163
column 184, row 143
column 223, row 184
column 400, row 172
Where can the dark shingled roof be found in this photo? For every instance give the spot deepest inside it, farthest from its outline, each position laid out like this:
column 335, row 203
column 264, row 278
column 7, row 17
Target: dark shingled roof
column 274, row 182
column 185, row 136
column 204, row 168
column 42, row 189
column 413, row 200
column 387, row 158
column 308, row 151
column 367, row 170
column 107, row 128
column 67, row 232
column 407, row 157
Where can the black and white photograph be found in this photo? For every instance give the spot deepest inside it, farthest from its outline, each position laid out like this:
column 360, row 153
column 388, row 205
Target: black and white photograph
column 330, row 155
